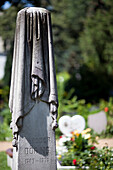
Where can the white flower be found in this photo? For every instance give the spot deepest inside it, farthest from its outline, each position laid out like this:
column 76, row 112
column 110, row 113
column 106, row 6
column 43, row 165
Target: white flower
column 61, row 149
column 63, row 139
column 87, row 136
column 87, row 167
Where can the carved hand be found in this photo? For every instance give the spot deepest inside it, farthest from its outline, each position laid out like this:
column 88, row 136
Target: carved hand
column 53, row 110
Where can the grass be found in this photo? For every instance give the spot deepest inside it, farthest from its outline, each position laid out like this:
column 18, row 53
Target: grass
column 3, row 161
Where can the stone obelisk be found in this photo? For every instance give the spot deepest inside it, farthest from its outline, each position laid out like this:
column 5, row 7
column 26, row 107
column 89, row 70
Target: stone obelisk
column 33, row 93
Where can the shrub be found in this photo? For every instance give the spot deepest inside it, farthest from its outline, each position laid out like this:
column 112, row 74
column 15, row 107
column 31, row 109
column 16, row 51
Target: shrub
column 83, row 155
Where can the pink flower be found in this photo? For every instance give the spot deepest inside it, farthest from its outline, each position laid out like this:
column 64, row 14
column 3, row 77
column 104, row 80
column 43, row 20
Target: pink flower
column 60, row 136
column 92, row 148
column 106, row 109
column 74, row 161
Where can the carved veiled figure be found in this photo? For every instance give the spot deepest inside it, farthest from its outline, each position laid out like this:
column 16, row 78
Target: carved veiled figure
column 33, row 93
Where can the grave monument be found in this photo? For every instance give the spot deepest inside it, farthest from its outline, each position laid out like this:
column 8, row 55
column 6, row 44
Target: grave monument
column 98, row 122
column 69, row 124
column 33, row 98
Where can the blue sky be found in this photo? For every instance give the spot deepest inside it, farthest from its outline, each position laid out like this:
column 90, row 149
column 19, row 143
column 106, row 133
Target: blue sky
column 6, row 5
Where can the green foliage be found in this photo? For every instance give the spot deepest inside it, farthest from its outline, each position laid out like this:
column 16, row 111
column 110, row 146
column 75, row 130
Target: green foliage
column 7, row 24
column 3, row 161
column 77, row 144
column 85, row 156
column 7, row 75
column 83, row 46
column 92, row 85
column 109, row 105
column 82, row 33
column 68, row 20
column 5, row 132
column 108, row 133
column 67, row 103
column 7, row 30
column 90, row 159
column 4, row 91
column 62, row 95
column 96, row 40
column 57, row 133
column 4, row 109
column 6, row 114
column 108, row 108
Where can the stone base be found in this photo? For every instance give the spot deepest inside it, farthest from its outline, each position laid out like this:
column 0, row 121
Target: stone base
column 37, row 147
column 9, row 161
column 66, row 168
column 9, row 153
column 59, row 167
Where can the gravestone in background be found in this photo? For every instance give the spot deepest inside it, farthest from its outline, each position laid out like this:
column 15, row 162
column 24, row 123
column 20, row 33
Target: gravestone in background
column 68, row 124
column 33, row 94
column 98, row 122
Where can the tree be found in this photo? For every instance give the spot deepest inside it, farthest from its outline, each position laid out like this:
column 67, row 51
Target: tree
column 68, row 21
column 82, row 34
column 83, row 45
column 96, row 40
column 7, row 30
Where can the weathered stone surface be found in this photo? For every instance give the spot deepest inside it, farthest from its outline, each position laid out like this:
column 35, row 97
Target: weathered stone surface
column 36, row 149
column 33, row 93
column 97, row 122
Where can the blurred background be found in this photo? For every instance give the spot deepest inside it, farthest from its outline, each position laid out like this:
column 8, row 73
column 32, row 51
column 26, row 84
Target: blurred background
column 83, row 48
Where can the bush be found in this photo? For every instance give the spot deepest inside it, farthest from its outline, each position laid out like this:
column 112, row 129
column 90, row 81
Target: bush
column 5, row 132
column 6, row 114
column 3, row 161
column 83, row 155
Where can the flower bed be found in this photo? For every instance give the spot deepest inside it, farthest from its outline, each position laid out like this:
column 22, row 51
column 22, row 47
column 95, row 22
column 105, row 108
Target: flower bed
column 78, row 151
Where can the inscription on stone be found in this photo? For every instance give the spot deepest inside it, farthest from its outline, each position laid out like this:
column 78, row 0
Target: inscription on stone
column 29, row 161
column 31, row 154
column 44, row 149
column 33, row 160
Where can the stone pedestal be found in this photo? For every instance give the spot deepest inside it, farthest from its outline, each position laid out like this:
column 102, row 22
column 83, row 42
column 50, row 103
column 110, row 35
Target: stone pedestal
column 36, row 147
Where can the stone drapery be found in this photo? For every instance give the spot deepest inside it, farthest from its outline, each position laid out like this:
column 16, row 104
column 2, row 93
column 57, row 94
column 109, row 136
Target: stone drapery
column 33, row 71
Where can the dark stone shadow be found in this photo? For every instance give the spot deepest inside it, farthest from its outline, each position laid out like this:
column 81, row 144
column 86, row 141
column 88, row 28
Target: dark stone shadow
column 35, row 131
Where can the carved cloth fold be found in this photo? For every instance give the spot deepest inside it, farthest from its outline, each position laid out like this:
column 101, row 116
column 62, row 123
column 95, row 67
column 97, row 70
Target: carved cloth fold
column 33, row 75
